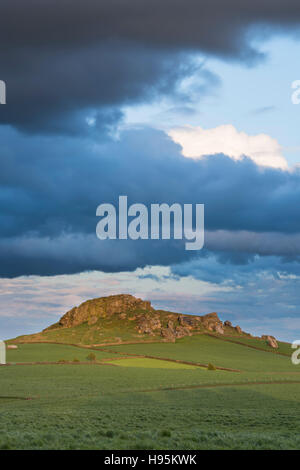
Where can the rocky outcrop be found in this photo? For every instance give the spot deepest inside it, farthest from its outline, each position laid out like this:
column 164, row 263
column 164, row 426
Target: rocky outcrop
column 181, row 331
column 92, row 310
column 271, row 341
column 189, row 321
column 212, row 322
column 227, row 323
column 141, row 318
column 170, row 333
column 219, row 329
column 149, row 324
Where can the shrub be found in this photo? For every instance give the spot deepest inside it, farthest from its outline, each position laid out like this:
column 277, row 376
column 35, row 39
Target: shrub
column 62, row 361
column 211, row 367
column 91, row 357
column 76, row 360
column 165, row 433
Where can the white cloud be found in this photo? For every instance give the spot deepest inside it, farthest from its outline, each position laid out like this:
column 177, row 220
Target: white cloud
column 197, row 142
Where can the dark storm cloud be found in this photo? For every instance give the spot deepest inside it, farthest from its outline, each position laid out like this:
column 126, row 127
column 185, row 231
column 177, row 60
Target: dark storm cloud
column 213, row 26
column 49, row 195
column 54, row 91
column 60, row 58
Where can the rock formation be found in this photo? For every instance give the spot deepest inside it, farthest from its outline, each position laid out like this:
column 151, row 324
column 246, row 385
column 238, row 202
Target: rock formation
column 92, row 310
column 271, row 341
column 138, row 318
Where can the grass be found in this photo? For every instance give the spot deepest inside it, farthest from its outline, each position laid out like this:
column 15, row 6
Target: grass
column 205, row 349
column 146, row 363
column 150, row 404
column 50, row 353
column 283, row 348
column 110, row 329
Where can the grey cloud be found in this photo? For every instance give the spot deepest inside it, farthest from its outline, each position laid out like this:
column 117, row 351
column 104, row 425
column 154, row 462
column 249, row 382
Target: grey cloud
column 48, row 205
column 264, row 244
column 220, row 268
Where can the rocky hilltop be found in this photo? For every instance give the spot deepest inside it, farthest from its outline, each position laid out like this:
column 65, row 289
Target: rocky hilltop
column 125, row 318
column 103, row 307
column 146, row 319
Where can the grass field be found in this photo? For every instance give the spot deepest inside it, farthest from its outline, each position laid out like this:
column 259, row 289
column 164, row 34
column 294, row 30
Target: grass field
column 146, row 403
column 204, row 349
column 146, row 363
column 50, row 353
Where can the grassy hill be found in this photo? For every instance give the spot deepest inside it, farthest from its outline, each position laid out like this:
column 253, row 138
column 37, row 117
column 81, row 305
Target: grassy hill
column 149, row 395
column 122, row 319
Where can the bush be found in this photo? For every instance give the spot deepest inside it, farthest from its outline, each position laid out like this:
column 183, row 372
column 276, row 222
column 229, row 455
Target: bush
column 165, row 433
column 76, row 360
column 91, row 357
column 211, row 367
column 62, row 361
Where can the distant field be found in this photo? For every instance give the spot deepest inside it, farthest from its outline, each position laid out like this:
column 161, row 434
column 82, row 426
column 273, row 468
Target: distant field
column 50, row 353
column 205, row 349
column 152, row 364
column 146, row 403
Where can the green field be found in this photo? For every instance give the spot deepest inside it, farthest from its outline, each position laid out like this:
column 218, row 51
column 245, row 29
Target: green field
column 204, row 349
column 147, row 403
column 151, row 364
column 51, row 353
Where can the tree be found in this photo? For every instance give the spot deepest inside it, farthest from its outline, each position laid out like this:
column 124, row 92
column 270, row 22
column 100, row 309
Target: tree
column 91, row 357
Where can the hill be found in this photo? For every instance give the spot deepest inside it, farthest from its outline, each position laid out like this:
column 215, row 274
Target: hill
column 155, row 380
column 123, row 318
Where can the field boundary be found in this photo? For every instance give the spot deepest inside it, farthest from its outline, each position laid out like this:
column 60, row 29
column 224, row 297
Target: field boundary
column 237, row 384
column 15, row 398
column 58, row 363
column 229, row 340
column 98, row 347
column 178, row 361
column 92, row 346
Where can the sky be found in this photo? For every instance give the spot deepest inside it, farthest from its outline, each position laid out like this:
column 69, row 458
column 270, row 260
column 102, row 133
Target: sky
column 173, row 102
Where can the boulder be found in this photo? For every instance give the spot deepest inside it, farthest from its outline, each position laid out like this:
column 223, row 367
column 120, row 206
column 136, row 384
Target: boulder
column 211, row 317
column 227, row 323
column 218, row 329
column 168, row 334
column 271, row 341
column 149, row 324
column 188, row 321
column 182, row 331
column 238, row 329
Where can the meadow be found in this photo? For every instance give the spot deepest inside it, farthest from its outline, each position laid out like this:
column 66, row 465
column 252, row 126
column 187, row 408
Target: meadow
column 124, row 400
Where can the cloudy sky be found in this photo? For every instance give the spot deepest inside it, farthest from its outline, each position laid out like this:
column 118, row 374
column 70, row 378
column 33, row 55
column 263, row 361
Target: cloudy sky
column 169, row 101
